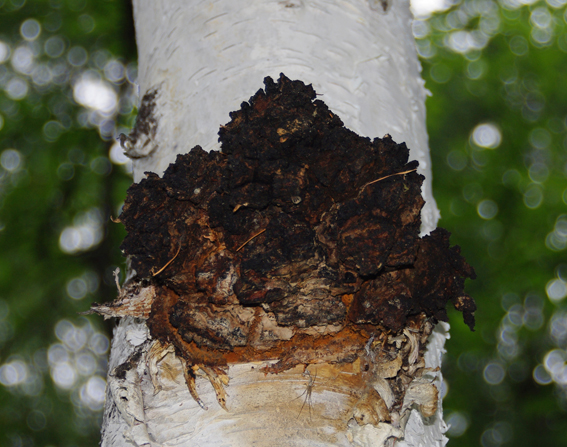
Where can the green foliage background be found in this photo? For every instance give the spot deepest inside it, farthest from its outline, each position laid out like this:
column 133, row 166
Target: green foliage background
column 497, row 120
column 56, row 175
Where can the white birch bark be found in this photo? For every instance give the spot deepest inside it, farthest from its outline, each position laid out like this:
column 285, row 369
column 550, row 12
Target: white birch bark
column 203, row 58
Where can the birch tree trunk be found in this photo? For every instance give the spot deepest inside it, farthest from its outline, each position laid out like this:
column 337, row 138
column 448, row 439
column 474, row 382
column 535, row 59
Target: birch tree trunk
column 198, row 60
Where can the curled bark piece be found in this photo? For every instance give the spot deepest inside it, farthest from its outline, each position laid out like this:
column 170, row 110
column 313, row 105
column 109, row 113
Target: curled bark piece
column 423, row 394
column 390, row 368
column 383, row 388
column 156, row 354
column 133, row 300
column 371, row 409
column 189, row 375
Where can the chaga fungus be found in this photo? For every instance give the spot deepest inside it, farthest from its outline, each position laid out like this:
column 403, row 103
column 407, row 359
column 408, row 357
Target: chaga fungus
column 299, row 234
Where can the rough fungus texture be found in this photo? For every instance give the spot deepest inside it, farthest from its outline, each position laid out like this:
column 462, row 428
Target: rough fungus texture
column 299, row 234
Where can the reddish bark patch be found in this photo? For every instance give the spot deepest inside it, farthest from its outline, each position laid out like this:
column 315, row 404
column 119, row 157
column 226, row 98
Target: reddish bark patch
column 298, row 219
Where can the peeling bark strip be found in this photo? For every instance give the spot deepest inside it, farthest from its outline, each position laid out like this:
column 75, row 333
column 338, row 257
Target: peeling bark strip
column 298, row 242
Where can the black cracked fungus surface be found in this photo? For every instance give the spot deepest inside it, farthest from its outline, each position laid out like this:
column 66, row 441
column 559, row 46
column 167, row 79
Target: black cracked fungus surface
column 295, row 213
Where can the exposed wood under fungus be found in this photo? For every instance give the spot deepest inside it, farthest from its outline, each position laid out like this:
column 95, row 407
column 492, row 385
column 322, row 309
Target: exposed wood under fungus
column 299, row 242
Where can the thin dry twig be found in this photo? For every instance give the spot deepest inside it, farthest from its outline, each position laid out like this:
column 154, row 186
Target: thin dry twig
column 168, row 262
column 240, row 205
column 116, row 274
column 257, row 234
column 387, row 176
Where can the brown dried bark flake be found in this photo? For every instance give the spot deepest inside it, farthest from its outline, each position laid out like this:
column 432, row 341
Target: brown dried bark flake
column 298, row 242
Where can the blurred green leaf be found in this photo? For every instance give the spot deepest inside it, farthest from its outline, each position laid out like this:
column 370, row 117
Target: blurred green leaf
column 58, row 188
column 496, row 121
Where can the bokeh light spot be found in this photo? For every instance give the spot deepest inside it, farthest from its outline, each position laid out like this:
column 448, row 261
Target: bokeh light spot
column 498, row 434
column 465, row 41
column 64, row 375
column 66, row 171
column 508, row 300
column 52, row 21
column 458, row 424
column 556, row 240
column 86, row 364
column 538, row 172
column 92, row 280
column 95, row 94
column 93, row 393
column 101, row 166
column 87, row 23
column 440, row 73
column 4, row 52
column 77, row 56
column 114, row 71
column 476, row 69
column 420, row 28
column 493, row 230
column 23, row 59
column 85, row 234
column 540, row 138
column 99, row 344
column 424, row 8
column 472, row 192
column 17, row 88
column 558, row 327
column 74, row 338
column 533, row 319
column 30, row 29
column 533, row 196
column 494, row 373
column 74, row 364
column 487, row 209
column 117, row 155
column 541, row 376
column 36, row 420
column 13, row 373
column 457, row 160
column 77, row 288
column 54, row 46
column 52, row 130
column 556, row 3
column 519, row 45
column 57, row 354
column 554, row 361
column 11, row 160
column 556, row 290
column 541, row 36
column 516, row 315
column 42, row 75
column 132, row 76
column 487, row 135
column 541, row 17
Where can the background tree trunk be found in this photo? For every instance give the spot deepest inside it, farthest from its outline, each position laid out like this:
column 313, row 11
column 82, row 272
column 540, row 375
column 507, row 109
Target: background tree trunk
column 198, row 60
